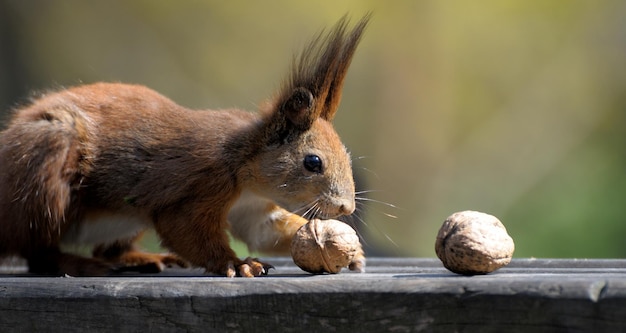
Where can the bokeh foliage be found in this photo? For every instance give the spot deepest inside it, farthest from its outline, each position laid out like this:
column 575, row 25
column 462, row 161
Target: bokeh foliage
column 515, row 108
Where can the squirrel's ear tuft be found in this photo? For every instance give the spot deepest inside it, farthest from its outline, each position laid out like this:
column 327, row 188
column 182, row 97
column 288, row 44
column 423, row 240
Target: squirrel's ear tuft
column 313, row 88
column 299, row 109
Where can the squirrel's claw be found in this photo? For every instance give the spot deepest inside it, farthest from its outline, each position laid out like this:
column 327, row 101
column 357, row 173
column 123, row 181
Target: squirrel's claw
column 266, row 267
column 250, row 267
column 254, row 267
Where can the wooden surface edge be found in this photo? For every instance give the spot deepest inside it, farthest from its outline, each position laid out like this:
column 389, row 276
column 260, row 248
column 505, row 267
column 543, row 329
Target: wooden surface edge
column 396, row 295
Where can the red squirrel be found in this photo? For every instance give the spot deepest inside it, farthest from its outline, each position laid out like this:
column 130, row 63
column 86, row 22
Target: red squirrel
column 98, row 164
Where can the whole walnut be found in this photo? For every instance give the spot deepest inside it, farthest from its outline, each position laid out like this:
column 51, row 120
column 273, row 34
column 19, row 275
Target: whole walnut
column 324, row 246
column 471, row 242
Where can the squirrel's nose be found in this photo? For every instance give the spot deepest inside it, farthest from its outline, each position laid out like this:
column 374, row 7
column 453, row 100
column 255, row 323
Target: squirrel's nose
column 347, row 207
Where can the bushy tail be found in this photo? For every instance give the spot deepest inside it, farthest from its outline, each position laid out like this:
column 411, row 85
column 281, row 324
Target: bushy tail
column 40, row 157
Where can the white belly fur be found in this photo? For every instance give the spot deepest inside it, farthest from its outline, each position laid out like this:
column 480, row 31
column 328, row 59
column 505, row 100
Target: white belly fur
column 103, row 228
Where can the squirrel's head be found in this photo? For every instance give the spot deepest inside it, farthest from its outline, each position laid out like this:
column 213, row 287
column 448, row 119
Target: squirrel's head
column 304, row 166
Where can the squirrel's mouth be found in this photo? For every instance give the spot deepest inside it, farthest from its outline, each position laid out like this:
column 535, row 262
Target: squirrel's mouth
column 326, row 209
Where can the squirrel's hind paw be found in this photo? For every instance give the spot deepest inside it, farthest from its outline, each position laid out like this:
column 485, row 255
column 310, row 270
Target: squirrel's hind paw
column 142, row 262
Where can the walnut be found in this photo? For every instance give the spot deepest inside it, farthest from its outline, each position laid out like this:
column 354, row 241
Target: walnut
column 324, row 246
column 472, row 242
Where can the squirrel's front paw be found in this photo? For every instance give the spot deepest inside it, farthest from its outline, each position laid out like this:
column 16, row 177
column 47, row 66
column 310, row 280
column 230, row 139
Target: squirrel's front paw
column 358, row 263
column 250, row 267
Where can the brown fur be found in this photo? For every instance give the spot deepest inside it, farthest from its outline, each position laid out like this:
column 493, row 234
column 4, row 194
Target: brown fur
column 119, row 158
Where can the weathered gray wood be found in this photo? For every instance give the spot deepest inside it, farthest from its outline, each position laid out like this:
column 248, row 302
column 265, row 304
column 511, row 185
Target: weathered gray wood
column 396, row 295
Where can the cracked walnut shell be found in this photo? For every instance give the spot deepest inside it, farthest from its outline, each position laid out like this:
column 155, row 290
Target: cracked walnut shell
column 324, row 246
column 472, row 242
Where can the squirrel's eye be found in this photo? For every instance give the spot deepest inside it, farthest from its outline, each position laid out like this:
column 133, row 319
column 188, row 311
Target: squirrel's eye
column 313, row 163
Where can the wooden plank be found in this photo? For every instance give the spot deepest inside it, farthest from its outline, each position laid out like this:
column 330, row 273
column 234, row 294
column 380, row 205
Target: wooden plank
column 395, row 295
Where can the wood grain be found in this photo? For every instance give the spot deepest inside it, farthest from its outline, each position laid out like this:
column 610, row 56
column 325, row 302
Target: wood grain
column 395, row 295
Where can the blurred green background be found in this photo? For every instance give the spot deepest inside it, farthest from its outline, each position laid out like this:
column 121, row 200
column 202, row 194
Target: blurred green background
column 515, row 108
